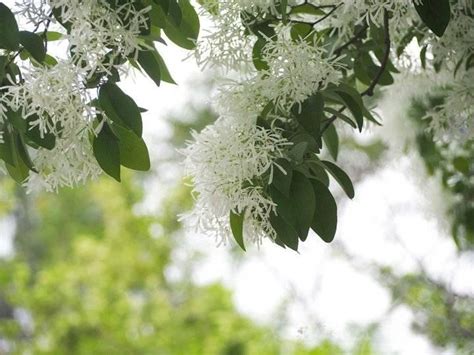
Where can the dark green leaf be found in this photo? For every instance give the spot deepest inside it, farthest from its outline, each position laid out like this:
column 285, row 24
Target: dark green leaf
column 258, row 61
column 107, row 152
column 331, row 139
column 33, row 44
column 282, row 181
column 120, row 107
column 285, row 232
column 150, row 65
column 9, row 35
column 436, row 14
column 6, row 151
column 43, row 139
column 325, row 215
column 341, row 177
column 354, row 107
column 3, row 62
column 310, row 113
column 302, row 201
column 133, row 150
column 342, row 116
column 185, row 34
column 237, row 227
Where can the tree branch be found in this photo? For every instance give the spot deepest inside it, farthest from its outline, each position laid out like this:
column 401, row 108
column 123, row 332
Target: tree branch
column 383, row 65
column 370, row 90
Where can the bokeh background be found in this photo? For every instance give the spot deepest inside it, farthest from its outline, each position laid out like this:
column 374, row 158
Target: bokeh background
column 110, row 268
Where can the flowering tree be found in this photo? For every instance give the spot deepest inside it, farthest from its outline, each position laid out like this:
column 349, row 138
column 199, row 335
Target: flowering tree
column 297, row 70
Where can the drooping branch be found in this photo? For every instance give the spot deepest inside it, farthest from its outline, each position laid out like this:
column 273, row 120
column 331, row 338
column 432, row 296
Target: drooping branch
column 383, row 65
column 386, row 55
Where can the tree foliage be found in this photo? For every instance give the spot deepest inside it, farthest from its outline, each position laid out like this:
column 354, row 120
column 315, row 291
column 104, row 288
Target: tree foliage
column 260, row 170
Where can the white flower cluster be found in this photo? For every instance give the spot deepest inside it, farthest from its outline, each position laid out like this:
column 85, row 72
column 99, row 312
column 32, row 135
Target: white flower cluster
column 232, row 161
column 458, row 40
column 96, row 29
column 352, row 12
column 454, row 119
column 225, row 44
column 227, row 161
column 55, row 99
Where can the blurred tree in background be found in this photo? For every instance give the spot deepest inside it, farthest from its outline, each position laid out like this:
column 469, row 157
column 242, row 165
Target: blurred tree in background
column 96, row 283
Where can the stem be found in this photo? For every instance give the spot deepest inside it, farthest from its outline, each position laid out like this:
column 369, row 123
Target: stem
column 370, row 90
column 357, row 35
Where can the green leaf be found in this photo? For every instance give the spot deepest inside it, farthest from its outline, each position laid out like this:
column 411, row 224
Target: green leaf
column 302, row 203
column 423, row 56
column 23, row 153
column 462, row 165
column 3, row 62
column 285, row 232
column 310, row 113
column 186, row 33
column 33, row 44
column 258, row 61
column 308, row 9
column 300, row 31
column 17, row 168
column 316, row 171
column 107, row 152
column 17, row 121
column 282, row 181
column 341, row 177
column 150, row 65
column 174, row 12
column 6, row 151
column 325, row 215
column 9, row 35
column 342, row 116
column 154, row 65
column 354, row 107
column 43, row 139
column 52, row 36
column 237, row 227
column 283, row 9
column 331, row 139
column 133, row 150
column 120, row 107
column 436, row 14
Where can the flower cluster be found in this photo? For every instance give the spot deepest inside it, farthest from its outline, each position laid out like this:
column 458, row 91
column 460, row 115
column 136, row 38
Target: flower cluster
column 453, row 120
column 231, row 162
column 55, row 101
column 55, row 98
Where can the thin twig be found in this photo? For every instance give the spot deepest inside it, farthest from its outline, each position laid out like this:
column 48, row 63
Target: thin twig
column 370, row 90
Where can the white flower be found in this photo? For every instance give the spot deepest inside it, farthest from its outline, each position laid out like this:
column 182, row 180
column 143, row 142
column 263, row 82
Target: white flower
column 296, row 70
column 227, row 162
column 96, row 28
column 454, row 119
column 56, row 101
column 458, row 39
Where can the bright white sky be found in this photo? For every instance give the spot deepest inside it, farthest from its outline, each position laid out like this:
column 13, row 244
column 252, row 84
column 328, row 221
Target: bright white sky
column 387, row 222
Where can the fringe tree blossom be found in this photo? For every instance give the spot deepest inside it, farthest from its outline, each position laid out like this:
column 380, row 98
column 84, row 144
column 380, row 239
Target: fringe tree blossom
column 96, row 29
column 56, row 102
column 453, row 120
column 55, row 99
column 227, row 162
column 295, row 71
